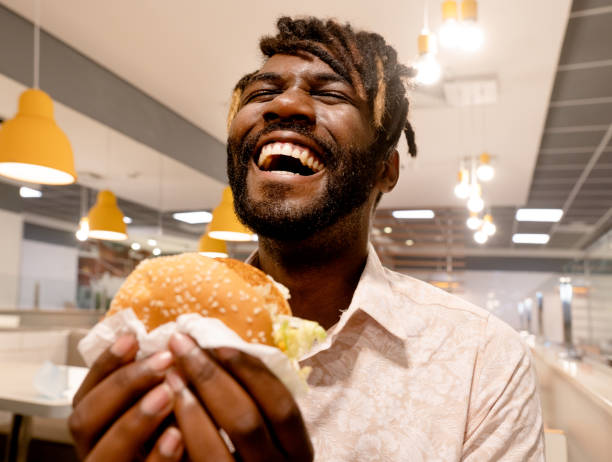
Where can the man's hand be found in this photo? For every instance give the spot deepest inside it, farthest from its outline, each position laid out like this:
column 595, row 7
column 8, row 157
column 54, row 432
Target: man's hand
column 120, row 405
column 237, row 393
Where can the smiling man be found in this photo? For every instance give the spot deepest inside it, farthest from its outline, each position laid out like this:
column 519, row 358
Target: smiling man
column 407, row 372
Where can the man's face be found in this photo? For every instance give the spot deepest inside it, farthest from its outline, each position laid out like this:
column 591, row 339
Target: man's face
column 298, row 149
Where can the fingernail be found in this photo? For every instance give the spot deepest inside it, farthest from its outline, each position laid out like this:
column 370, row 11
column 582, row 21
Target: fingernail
column 123, row 344
column 156, row 400
column 175, row 381
column 170, row 443
column 180, row 344
column 160, row 361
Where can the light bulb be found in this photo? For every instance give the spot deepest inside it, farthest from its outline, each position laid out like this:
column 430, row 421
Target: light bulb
column 462, row 189
column 471, row 37
column 473, row 222
column 487, row 225
column 135, row 246
column 152, row 242
column 82, row 233
column 156, row 251
column 428, row 69
column 450, row 34
column 489, row 228
column 485, row 172
column 480, row 237
column 475, row 203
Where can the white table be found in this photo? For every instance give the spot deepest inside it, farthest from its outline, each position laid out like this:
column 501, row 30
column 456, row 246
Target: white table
column 19, row 396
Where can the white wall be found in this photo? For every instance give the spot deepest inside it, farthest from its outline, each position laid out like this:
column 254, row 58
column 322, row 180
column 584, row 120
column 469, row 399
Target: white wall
column 54, row 268
column 11, row 231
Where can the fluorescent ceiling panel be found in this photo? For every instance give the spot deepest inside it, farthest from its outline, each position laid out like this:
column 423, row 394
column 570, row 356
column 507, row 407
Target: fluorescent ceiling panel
column 530, row 238
column 193, row 218
column 413, row 214
column 543, row 215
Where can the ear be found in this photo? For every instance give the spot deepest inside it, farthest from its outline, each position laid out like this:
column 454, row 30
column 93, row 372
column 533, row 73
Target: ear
column 390, row 173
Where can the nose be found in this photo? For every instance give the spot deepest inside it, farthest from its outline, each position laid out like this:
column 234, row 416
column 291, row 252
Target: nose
column 292, row 105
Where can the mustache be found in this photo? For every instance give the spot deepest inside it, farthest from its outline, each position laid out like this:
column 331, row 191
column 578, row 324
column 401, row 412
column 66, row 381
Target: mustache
column 245, row 147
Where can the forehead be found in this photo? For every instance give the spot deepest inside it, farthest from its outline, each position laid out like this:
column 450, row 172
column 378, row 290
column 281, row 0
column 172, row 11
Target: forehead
column 299, row 65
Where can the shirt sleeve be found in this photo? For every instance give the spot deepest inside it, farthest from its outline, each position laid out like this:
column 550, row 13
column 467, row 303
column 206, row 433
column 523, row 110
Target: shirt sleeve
column 504, row 418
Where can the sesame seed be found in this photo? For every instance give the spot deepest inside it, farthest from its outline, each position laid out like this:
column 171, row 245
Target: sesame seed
column 256, row 311
column 234, row 308
column 249, row 319
column 227, row 280
column 249, row 333
column 222, row 310
column 215, row 304
column 204, row 312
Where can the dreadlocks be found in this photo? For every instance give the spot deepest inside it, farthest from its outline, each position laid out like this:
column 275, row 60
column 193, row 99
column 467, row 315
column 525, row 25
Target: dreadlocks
column 362, row 58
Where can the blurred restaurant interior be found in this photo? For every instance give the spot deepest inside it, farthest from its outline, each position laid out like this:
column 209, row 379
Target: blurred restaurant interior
column 508, row 203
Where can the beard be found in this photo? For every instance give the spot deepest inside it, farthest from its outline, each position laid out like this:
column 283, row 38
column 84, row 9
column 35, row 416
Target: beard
column 350, row 179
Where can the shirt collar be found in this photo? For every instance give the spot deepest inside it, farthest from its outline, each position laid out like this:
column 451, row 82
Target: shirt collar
column 373, row 295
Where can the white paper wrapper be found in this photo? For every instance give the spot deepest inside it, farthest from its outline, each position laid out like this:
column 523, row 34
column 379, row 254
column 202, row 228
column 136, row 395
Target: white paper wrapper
column 207, row 332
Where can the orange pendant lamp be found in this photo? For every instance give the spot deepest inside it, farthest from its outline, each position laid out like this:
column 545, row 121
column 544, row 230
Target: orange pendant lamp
column 213, row 248
column 225, row 224
column 32, row 147
column 106, row 219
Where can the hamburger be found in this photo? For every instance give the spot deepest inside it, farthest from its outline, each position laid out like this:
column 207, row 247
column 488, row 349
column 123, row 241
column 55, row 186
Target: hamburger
column 243, row 297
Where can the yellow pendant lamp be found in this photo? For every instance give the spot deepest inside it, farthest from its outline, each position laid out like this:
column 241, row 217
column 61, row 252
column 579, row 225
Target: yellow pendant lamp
column 32, row 147
column 213, row 248
column 106, row 219
column 225, row 224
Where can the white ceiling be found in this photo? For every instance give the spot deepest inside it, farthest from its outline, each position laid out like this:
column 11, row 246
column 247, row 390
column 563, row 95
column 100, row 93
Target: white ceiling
column 188, row 55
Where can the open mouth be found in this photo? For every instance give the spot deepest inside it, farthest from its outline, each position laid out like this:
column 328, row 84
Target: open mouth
column 288, row 159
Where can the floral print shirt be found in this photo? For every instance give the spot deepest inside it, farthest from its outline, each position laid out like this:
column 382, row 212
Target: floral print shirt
column 412, row 373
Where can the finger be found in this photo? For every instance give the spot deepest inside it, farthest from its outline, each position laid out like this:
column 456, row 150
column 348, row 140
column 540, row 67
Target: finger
column 124, row 440
column 169, row 447
column 116, row 393
column 121, row 352
column 274, row 400
column 200, row 434
column 226, row 401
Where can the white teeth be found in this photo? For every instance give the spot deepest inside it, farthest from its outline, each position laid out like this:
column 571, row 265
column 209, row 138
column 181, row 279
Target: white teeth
column 305, row 156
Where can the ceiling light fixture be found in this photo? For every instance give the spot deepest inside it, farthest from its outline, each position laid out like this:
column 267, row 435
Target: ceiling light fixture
column 32, row 147
column 83, row 232
column 449, row 32
column 542, row 215
column 409, row 242
column 485, row 170
column 213, row 248
column 488, row 227
column 106, row 219
column 157, row 251
column 471, row 37
column 481, row 237
column 387, row 229
column 473, row 222
column 225, row 224
column 193, row 218
column 413, row 214
column 475, row 203
column 530, row 238
column 151, row 242
column 127, row 220
column 135, row 246
column 462, row 189
column 27, row 193
column 427, row 65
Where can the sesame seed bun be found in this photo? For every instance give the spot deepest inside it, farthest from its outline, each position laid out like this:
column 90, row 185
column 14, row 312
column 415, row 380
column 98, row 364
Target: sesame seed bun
column 243, row 297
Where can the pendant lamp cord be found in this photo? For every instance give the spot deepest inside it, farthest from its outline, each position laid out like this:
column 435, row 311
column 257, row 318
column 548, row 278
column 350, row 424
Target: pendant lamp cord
column 36, row 43
column 161, row 178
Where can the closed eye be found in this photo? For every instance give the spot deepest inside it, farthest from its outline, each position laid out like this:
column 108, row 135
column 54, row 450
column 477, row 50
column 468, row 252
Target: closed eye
column 330, row 95
column 260, row 95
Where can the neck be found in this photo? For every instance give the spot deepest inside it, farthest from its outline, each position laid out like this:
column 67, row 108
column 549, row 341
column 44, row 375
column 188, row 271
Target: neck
column 322, row 271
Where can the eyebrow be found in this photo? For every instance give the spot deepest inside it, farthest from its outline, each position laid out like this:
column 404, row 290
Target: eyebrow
column 322, row 77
